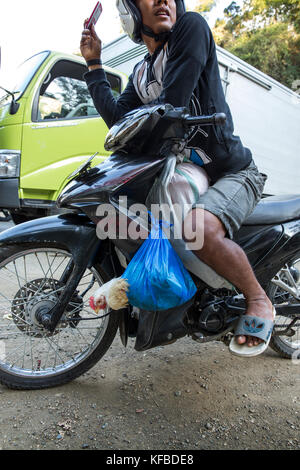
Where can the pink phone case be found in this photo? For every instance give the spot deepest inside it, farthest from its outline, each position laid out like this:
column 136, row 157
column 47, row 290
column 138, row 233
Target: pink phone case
column 94, row 16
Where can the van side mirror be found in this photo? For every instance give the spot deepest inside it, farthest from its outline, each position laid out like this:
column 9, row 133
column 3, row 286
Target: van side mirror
column 14, row 106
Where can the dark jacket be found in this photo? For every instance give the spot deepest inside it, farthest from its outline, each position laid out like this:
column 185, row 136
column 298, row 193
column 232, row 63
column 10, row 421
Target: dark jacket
column 190, row 77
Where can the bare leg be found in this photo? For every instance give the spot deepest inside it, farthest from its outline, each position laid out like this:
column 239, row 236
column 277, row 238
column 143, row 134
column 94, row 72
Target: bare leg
column 229, row 260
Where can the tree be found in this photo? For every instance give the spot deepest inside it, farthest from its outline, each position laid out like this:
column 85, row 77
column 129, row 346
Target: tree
column 257, row 13
column 272, row 50
column 205, row 6
column 264, row 33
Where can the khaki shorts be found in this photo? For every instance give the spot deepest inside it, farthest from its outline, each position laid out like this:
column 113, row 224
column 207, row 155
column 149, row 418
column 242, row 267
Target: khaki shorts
column 233, row 197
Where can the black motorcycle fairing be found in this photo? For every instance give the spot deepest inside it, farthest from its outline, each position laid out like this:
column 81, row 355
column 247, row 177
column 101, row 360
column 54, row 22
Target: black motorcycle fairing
column 292, row 230
column 110, row 177
column 69, row 231
column 258, row 240
column 282, row 253
column 151, row 129
column 269, row 247
column 117, row 177
column 135, row 190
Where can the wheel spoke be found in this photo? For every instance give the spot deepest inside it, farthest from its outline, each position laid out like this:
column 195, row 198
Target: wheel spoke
column 30, row 280
column 284, row 295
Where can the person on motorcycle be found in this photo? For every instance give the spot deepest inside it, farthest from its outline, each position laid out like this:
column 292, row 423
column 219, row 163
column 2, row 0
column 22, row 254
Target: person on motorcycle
column 181, row 68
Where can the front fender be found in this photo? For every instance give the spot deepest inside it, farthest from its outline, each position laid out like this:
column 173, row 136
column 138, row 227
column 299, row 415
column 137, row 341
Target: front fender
column 74, row 232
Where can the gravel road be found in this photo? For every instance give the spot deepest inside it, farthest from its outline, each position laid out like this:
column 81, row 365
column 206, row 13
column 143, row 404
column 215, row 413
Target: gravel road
column 179, row 397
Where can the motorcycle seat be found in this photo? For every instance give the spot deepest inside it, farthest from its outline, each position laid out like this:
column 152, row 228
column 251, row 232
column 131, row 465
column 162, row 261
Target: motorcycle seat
column 275, row 210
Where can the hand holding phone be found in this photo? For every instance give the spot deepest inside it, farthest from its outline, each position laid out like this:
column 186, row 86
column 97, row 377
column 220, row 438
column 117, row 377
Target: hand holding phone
column 90, row 44
column 94, row 16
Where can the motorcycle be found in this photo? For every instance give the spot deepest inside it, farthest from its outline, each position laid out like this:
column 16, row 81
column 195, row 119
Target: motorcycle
column 49, row 335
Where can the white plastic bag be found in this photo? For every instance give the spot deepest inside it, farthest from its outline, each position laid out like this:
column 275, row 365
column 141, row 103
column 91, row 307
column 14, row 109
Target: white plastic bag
column 176, row 190
column 187, row 184
column 166, row 190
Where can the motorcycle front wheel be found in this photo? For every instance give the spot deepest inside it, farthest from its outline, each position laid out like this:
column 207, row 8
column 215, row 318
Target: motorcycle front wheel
column 287, row 344
column 32, row 357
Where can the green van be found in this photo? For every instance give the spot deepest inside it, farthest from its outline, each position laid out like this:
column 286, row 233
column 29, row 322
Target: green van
column 48, row 127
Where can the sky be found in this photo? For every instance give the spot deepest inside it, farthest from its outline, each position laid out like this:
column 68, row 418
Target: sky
column 31, row 26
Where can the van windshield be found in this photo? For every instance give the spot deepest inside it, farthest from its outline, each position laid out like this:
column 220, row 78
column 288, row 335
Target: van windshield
column 25, row 72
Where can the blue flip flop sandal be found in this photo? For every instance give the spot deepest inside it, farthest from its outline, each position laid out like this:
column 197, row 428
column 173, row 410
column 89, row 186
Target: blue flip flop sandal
column 249, row 325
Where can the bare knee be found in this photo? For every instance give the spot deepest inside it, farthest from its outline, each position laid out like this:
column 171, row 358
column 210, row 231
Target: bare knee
column 203, row 227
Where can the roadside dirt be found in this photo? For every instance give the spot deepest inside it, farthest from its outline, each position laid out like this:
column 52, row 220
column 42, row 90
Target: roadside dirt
column 178, row 397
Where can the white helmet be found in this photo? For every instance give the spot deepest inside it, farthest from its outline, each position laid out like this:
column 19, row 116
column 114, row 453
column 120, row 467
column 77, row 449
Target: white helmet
column 131, row 20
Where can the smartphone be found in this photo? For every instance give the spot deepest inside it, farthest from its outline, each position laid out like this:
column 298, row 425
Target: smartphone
column 94, row 16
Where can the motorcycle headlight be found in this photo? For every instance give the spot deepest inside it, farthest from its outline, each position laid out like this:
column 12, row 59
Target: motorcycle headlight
column 10, row 163
column 128, row 128
column 119, row 135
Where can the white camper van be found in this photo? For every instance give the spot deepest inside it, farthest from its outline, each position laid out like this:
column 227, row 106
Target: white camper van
column 266, row 114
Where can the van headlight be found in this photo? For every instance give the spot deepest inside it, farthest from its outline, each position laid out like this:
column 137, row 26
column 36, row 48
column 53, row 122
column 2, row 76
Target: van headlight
column 10, row 163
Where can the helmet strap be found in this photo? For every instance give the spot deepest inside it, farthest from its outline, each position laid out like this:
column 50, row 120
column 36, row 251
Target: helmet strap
column 160, row 37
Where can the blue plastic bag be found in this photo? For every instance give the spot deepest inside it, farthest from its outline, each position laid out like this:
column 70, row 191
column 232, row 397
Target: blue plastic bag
column 156, row 276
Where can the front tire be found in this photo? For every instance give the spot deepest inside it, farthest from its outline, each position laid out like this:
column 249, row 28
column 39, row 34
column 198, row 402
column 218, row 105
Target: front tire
column 287, row 347
column 30, row 356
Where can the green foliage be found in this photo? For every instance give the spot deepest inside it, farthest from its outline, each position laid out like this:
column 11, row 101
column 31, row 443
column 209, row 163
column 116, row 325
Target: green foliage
column 205, row 6
column 258, row 13
column 273, row 50
column 264, row 33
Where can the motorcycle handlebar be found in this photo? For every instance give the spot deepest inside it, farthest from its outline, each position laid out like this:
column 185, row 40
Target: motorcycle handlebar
column 217, row 119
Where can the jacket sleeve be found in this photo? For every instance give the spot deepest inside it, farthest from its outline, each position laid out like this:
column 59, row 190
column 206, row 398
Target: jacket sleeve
column 190, row 48
column 110, row 109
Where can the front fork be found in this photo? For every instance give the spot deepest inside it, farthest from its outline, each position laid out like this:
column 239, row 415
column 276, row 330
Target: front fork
column 83, row 258
column 72, row 274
